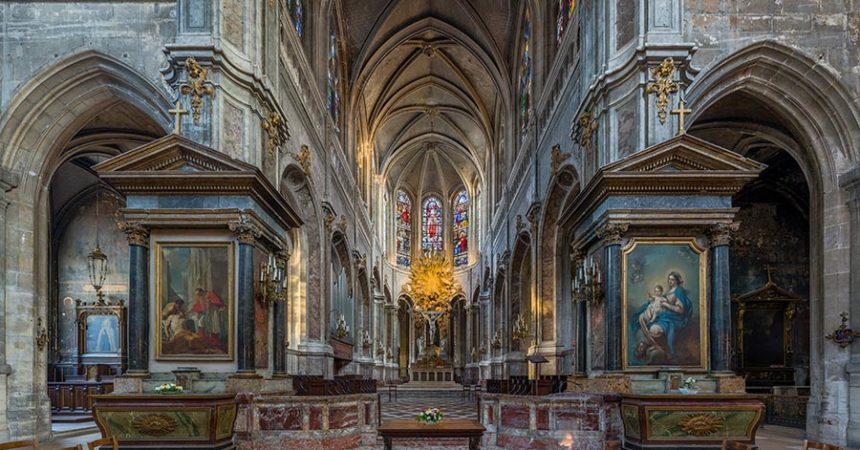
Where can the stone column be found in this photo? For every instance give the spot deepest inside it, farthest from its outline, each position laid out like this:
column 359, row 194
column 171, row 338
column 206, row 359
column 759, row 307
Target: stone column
column 247, row 234
column 851, row 182
column 8, row 181
column 612, row 234
column 279, row 330
column 486, row 328
column 721, row 299
column 467, row 352
column 138, row 298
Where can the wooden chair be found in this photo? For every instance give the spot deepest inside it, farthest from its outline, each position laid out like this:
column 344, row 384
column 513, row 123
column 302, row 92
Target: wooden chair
column 93, row 445
column 32, row 443
column 735, row 445
column 812, row 445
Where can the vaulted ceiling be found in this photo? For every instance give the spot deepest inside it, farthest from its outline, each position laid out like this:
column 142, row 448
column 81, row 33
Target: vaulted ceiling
column 429, row 79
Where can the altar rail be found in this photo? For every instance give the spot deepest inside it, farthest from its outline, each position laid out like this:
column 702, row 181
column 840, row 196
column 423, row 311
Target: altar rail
column 75, row 397
column 784, row 405
column 591, row 421
column 316, row 385
column 516, row 385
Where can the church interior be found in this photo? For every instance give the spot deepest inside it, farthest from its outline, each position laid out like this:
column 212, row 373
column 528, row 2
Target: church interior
column 368, row 224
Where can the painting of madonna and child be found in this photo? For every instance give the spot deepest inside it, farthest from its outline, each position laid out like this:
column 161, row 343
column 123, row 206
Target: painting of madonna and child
column 195, row 302
column 664, row 298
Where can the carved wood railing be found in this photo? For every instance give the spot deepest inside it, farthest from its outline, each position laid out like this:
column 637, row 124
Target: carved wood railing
column 546, row 385
column 315, row 385
column 75, row 397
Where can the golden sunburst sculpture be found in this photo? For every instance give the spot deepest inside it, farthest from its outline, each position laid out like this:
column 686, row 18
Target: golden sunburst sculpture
column 431, row 285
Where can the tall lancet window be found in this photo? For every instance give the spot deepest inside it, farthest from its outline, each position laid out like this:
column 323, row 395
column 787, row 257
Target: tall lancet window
column 296, row 9
column 403, row 229
column 564, row 13
column 333, row 79
column 525, row 74
column 431, row 222
column 461, row 228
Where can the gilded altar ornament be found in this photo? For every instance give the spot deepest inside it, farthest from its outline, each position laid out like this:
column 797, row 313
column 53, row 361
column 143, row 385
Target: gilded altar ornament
column 584, row 129
column 681, row 111
column 341, row 329
column 702, row 424
column 197, row 86
column 844, row 335
column 664, row 84
column 154, row 424
column 432, row 285
column 558, row 158
column 276, row 129
column 273, row 279
column 303, row 157
column 178, row 111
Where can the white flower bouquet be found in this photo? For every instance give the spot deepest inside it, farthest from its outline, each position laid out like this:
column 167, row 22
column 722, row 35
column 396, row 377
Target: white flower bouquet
column 169, row 388
column 689, row 386
column 430, row 416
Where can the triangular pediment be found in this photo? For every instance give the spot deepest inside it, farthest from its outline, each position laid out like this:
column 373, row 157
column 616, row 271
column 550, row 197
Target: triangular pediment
column 681, row 154
column 173, row 153
column 770, row 292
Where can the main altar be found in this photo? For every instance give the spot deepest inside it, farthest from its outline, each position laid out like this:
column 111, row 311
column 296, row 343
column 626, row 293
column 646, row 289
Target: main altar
column 432, row 287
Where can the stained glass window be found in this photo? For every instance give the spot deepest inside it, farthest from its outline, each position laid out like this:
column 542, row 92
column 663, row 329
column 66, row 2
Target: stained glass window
column 525, row 73
column 403, row 229
column 431, row 225
column 297, row 14
column 333, row 84
column 562, row 22
column 461, row 229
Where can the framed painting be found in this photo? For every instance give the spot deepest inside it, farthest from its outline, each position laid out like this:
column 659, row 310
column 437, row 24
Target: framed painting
column 664, row 312
column 194, row 301
column 101, row 330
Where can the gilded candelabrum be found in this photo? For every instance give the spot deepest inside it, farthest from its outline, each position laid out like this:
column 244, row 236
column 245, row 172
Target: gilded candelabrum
column 366, row 342
column 341, row 329
column 521, row 329
column 497, row 340
column 273, row 280
column 588, row 283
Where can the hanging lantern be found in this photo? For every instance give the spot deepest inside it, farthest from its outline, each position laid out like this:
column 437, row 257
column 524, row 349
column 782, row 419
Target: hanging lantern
column 98, row 265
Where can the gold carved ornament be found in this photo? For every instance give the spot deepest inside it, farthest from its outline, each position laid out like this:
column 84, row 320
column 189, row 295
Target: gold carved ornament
column 583, row 131
column 276, row 128
column 432, row 285
column 154, row 424
column 664, row 84
column 197, row 86
column 702, row 424
column 303, row 157
column 558, row 158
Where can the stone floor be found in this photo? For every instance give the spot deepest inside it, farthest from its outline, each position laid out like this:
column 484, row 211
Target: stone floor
column 455, row 406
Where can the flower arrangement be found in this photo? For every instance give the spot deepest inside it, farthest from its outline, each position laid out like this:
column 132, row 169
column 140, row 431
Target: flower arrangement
column 689, row 386
column 430, row 416
column 169, row 388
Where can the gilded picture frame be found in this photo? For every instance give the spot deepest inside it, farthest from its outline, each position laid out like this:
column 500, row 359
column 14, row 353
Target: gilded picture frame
column 194, row 301
column 664, row 304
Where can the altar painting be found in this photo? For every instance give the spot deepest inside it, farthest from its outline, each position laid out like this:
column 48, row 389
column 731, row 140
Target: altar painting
column 102, row 334
column 664, row 294
column 194, row 292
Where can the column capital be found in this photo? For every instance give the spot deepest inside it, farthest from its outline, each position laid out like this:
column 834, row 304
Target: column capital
column 612, row 233
column 721, row 233
column 136, row 233
column 247, row 232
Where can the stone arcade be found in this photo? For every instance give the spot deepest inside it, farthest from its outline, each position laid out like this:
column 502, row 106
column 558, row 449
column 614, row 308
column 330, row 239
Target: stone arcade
column 584, row 224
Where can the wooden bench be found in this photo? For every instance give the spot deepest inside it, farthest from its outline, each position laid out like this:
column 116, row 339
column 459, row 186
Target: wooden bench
column 406, row 428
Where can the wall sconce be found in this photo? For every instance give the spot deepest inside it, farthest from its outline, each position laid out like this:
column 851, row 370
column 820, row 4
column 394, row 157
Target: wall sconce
column 588, row 283
column 273, row 280
column 521, row 329
column 366, row 342
column 41, row 335
column 341, row 328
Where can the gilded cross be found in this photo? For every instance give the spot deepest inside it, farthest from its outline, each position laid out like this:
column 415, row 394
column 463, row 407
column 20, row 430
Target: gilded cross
column 178, row 112
column 680, row 111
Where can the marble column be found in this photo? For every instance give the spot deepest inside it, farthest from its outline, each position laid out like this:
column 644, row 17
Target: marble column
column 721, row 299
column 247, row 234
column 612, row 235
column 138, row 298
column 279, row 329
column 851, row 182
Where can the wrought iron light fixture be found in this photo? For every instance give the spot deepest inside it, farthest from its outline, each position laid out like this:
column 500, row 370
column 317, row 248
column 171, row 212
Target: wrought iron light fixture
column 97, row 263
column 588, row 283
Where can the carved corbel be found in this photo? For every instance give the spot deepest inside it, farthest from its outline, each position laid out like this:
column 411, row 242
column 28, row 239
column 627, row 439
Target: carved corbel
column 533, row 216
column 584, row 129
column 136, row 233
column 612, row 233
column 721, row 233
column 520, row 224
column 247, row 232
column 342, row 224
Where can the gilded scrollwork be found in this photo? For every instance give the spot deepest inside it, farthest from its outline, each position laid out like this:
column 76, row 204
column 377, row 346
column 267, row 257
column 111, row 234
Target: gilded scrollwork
column 197, row 86
column 277, row 131
column 303, row 157
column 702, row 424
column 154, row 424
column 664, row 84
column 584, row 129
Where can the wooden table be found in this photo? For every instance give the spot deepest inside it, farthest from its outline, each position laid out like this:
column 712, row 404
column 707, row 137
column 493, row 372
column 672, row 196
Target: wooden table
column 410, row 428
